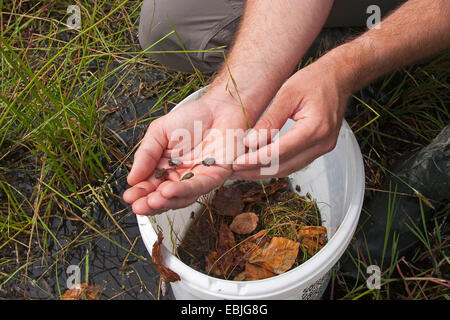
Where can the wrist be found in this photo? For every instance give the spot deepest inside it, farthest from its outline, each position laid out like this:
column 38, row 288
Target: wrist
column 220, row 100
column 353, row 64
column 244, row 90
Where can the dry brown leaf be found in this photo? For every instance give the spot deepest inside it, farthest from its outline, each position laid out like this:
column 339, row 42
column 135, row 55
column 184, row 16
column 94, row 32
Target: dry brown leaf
column 241, row 276
column 244, row 223
column 248, row 248
column 84, row 292
column 312, row 231
column 278, row 256
column 254, row 272
column 226, row 238
column 239, row 258
column 228, row 201
column 157, row 259
column 255, row 195
column 225, row 249
column 221, row 265
column 273, row 187
column 218, row 265
column 313, row 238
column 252, row 244
column 167, row 273
column 212, row 265
column 221, row 262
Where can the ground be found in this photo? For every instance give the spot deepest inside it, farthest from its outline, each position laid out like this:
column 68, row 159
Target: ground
column 73, row 106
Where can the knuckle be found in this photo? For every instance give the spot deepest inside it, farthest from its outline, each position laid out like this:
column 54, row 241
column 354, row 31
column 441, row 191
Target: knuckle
column 330, row 144
column 268, row 122
column 327, row 136
column 155, row 123
column 324, row 131
column 286, row 89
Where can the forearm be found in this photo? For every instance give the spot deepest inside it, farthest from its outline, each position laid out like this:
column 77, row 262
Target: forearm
column 418, row 29
column 272, row 38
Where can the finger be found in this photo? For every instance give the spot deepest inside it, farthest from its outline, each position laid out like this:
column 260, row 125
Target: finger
column 250, row 174
column 141, row 207
column 201, row 183
column 158, row 203
column 143, row 188
column 212, row 145
column 148, row 154
column 184, row 155
column 286, row 168
column 276, row 116
column 140, row 190
column 302, row 135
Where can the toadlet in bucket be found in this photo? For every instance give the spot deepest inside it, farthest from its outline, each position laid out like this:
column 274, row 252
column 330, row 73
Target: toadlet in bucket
column 335, row 181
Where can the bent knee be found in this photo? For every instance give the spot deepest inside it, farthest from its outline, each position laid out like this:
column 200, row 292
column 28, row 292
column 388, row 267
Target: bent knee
column 152, row 26
column 157, row 23
column 161, row 18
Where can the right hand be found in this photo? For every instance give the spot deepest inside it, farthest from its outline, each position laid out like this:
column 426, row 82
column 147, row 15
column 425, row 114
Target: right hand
column 150, row 195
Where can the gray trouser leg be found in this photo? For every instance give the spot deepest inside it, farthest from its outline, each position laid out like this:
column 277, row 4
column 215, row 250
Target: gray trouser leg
column 200, row 24
column 206, row 24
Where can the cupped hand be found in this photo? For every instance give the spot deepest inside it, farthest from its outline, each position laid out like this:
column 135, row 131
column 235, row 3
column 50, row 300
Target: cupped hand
column 190, row 134
column 316, row 100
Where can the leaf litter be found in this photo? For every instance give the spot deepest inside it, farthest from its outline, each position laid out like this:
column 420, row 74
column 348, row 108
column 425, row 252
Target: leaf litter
column 250, row 231
column 157, row 259
column 84, row 291
column 228, row 202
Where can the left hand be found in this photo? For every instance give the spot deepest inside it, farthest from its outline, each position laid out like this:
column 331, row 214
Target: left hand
column 316, row 99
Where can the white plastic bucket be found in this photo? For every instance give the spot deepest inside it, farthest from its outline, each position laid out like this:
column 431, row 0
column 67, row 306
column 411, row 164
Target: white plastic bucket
column 335, row 181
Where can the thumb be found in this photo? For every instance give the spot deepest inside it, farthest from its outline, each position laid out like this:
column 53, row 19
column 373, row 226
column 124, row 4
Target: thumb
column 271, row 121
column 148, row 154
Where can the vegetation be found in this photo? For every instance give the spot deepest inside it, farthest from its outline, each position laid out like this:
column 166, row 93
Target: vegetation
column 73, row 106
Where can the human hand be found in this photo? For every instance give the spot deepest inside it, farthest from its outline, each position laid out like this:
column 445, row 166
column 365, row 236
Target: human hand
column 202, row 127
column 315, row 98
